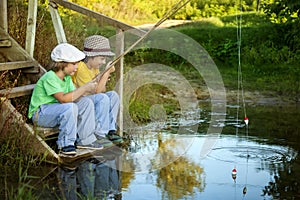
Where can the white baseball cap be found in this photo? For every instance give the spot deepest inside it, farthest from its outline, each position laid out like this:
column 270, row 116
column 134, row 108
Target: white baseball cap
column 65, row 52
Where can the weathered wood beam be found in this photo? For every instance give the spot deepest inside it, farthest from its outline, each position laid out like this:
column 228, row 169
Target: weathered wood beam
column 15, row 52
column 3, row 15
column 17, row 65
column 31, row 26
column 5, row 43
column 100, row 17
column 17, row 91
column 119, row 72
column 45, row 131
column 57, row 23
column 4, row 38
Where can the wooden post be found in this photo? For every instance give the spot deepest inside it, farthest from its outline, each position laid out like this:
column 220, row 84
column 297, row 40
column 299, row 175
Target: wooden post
column 31, row 26
column 119, row 73
column 58, row 27
column 3, row 15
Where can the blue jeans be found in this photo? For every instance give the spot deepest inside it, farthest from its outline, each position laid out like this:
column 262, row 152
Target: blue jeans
column 106, row 111
column 76, row 118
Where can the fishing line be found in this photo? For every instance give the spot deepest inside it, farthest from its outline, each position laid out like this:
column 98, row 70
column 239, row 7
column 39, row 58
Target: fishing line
column 240, row 88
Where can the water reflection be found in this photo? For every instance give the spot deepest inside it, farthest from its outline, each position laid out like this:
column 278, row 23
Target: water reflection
column 158, row 164
column 95, row 178
column 261, row 170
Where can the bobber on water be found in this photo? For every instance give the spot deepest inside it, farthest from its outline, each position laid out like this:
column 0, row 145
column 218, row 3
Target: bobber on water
column 244, row 190
column 233, row 174
column 246, row 120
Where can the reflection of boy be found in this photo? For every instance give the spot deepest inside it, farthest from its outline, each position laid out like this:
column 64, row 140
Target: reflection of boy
column 98, row 180
column 92, row 179
column 56, row 102
column 96, row 49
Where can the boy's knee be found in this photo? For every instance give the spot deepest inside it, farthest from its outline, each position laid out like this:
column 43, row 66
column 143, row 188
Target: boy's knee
column 113, row 95
column 71, row 109
column 105, row 99
column 87, row 102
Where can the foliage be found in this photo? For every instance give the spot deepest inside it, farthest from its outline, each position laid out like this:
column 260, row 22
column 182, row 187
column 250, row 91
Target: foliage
column 137, row 11
column 283, row 10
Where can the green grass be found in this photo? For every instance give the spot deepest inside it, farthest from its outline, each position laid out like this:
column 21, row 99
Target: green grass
column 267, row 61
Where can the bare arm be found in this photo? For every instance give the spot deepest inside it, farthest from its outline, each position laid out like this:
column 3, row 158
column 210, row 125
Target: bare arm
column 77, row 93
column 101, row 87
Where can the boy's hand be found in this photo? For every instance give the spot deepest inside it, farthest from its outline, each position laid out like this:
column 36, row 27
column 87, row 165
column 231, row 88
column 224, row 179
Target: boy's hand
column 91, row 86
column 111, row 69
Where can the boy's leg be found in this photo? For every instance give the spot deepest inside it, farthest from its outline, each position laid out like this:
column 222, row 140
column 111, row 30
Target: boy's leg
column 114, row 109
column 86, row 121
column 102, row 105
column 62, row 115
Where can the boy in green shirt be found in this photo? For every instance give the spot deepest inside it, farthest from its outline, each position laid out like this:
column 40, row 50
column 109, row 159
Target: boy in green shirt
column 55, row 102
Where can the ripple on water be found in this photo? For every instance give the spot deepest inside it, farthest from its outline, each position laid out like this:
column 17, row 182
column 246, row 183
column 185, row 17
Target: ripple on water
column 252, row 152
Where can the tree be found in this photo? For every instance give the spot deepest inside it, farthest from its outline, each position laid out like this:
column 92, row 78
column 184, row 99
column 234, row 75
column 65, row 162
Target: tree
column 282, row 11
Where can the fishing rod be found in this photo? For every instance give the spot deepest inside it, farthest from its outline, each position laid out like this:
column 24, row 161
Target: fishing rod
column 167, row 15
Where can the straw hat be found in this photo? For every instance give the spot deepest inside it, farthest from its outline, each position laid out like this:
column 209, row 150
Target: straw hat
column 97, row 45
column 65, row 52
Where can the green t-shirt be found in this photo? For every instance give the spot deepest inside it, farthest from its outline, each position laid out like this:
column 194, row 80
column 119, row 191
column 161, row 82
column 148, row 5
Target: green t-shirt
column 44, row 89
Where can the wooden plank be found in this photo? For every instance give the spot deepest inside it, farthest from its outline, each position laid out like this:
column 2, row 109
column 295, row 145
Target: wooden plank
column 45, row 131
column 5, row 43
column 120, row 71
column 17, row 65
column 15, row 52
column 4, row 38
column 17, row 91
column 84, row 154
column 100, row 17
column 31, row 26
column 58, row 26
column 3, row 34
column 72, row 160
column 3, row 15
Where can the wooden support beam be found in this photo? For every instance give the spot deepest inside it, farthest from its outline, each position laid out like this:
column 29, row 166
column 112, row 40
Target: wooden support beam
column 5, row 43
column 120, row 72
column 18, row 65
column 31, row 26
column 45, row 131
column 17, row 91
column 3, row 15
column 14, row 53
column 100, row 17
column 58, row 26
column 4, row 39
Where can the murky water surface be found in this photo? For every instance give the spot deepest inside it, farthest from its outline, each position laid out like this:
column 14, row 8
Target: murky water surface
column 177, row 159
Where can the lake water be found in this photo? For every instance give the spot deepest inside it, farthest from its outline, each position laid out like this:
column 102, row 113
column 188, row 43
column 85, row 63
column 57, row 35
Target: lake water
column 161, row 162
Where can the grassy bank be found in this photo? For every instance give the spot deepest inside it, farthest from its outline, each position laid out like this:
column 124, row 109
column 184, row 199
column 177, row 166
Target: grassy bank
column 268, row 61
